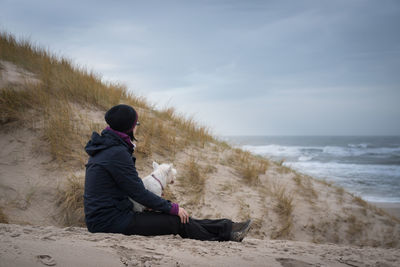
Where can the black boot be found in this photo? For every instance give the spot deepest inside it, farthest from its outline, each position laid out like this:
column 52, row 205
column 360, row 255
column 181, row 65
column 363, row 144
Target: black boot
column 240, row 230
column 239, row 225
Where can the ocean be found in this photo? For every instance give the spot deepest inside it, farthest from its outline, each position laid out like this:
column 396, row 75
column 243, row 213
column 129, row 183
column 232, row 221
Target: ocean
column 368, row 166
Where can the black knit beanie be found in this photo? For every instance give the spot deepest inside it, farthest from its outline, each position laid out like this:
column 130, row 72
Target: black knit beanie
column 121, row 118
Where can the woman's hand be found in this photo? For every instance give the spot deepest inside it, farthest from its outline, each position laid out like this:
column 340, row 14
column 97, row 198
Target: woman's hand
column 183, row 215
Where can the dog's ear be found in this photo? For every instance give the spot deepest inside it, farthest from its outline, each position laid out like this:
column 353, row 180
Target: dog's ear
column 155, row 165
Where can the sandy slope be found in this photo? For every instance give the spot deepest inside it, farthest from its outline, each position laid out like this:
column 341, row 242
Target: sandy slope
column 391, row 208
column 12, row 74
column 72, row 246
column 28, row 180
column 321, row 212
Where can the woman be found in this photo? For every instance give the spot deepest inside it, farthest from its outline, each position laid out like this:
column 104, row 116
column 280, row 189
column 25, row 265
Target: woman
column 111, row 178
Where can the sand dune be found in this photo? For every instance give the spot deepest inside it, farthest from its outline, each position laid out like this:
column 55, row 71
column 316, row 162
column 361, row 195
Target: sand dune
column 74, row 246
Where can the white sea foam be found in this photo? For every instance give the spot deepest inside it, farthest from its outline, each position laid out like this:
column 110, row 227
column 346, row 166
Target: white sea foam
column 342, row 170
column 299, row 151
column 382, row 199
column 379, row 183
column 359, row 151
column 362, row 145
column 304, row 158
column 363, row 168
column 279, row 151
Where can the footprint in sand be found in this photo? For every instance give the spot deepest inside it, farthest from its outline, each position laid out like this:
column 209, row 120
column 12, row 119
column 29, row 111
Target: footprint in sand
column 27, row 230
column 48, row 237
column 286, row 262
column 46, row 260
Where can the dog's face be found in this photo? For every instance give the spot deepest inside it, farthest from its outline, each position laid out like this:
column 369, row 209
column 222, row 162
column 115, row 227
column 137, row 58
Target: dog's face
column 169, row 171
column 171, row 174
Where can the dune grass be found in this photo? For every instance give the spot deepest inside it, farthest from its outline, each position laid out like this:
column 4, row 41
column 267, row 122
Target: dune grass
column 355, row 228
column 15, row 103
column 63, row 83
column 193, row 179
column 340, row 190
column 49, row 101
column 284, row 208
column 3, row 217
column 284, row 205
column 361, row 202
column 70, row 202
column 248, row 165
column 157, row 136
column 194, row 132
column 306, row 187
column 58, row 75
column 244, row 210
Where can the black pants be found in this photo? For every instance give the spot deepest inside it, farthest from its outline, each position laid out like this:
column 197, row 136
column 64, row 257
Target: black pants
column 155, row 223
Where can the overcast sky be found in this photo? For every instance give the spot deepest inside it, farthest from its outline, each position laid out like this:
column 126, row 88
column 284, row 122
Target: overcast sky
column 239, row 67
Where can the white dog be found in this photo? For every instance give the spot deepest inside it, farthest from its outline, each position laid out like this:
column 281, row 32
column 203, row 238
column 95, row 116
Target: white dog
column 156, row 181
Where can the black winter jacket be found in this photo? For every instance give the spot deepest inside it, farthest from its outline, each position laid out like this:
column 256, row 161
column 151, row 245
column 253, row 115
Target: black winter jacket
column 111, row 177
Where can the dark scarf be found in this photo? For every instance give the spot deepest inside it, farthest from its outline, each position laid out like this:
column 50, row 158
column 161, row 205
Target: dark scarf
column 123, row 136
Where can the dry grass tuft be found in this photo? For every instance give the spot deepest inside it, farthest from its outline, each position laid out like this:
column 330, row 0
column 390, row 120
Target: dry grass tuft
column 3, row 217
column 168, row 113
column 360, row 201
column 193, row 180
column 306, row 187
column 210, row 169
column 340, row 190
column 248, row 165
column 256, row 227
column 15, row 102
column 284, row 230
column 340, row 193
column 59, row 130
column 139, row 102
column 284, row 205
column 284, row 208
column 193, row 174
column 190, row 130
column 59, row 77
column 70, row 201
column 156, row 136
column 391, row 220
column 325, row 182
column 281, row 168
column 244, row 209
column 145, row 134
column 193, row 132
column 355, row 228
column 223, row 145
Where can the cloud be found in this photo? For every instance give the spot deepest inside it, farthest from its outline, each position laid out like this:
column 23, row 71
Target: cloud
column 265, row 67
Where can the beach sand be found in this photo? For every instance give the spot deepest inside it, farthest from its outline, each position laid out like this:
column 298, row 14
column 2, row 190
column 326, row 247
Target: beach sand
column 75, row 246
column 391, row 208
